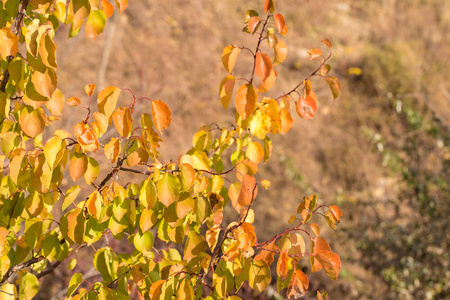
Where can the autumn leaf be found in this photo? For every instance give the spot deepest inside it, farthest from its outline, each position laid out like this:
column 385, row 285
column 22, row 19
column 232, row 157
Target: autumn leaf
column 281, row 24
column 314, row 53
column 306, row 107
column 229, row 56
column 226, row 90
column 283, row 265
column 246, row 100
column 263, row 65
column 298, row 285
column 161, row 115
column 248, row 190
column 335, row 86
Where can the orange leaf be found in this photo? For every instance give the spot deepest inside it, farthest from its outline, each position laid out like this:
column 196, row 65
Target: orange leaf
column 122, row 121
column 233, row 193
column 336, row 212
column 112, row 149
column 246, row 194
column 330, row 262
column 122, row 5
column 253, row 24
column 32, row 121
column 281, row 24
column 268, row 83
column 107, row 8
column 161, row 115
column 73, row 101
column 45, row 83
column 56, row 103
column 317, row 244
column 89, row 89
column 327, row 42
column 229, row 56
column 263, row 65
column 269, row 5
column 310, row 103
column 298, row 285
column 283, row 265
column 246, row 100
column 86, row 137
column 226, row 90
column 265, row 255
column 78, row 165
column 314, row 53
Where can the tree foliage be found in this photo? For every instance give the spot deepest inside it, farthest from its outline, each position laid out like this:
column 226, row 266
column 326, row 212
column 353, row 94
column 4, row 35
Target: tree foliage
column 179, row 202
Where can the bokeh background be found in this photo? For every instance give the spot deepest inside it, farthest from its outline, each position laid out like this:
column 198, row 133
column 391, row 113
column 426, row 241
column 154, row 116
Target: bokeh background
column 381, row 151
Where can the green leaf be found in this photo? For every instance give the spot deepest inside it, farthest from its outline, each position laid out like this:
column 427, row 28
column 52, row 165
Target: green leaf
column 28, row 286
column 54, row 151
column 74, row 283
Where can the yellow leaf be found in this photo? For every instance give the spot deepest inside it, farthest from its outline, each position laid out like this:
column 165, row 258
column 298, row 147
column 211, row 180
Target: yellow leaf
column 122, row 5
column 259, row 276
column 54, row 151
column 112, row 149
column 226, row 90
column 56, row 103
column 280, row 52
column 229, row 56
column 45, row 83
column 9, row 43
column 47, row 50
column 90, row 88
column 255, row 152
column 107, row 100
column 100, row 125
column 195, row 244
column 92, row 171
column 286, row 121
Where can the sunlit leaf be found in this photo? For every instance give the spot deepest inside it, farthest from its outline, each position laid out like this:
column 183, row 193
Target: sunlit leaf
column 78, row 165
column 107, row 100
column 112, row 149
column 122, row 5
column 92, row 171
column 47, row 51
column 168, row 189
column 56, row 103
column 95, row 23
column 107, row 8
column 298, row 285
column 253, row 24
column 73, row 226
column 281, row 24
column 283, row 265
column 45, row 83
column 123, row 121
column 195, row 244
column 330, row 262
column 314, row 53
column 246, row 100
column 54, row 151
column 259, row 276
column 248, row 190
column 90, row 88
column 269, row 5
column 268, row 83
column 9, row 43
column 315, row 228
column 306, row 107
column 229, row 56
column 280, row 52
column 255, row 152
column 86, row 137
column 73, row 101
column 28, row 286
column 286, row 121
column 263, row 65
column 32, row 121
column 226, row 90
column 74, row 283
column 161, row 115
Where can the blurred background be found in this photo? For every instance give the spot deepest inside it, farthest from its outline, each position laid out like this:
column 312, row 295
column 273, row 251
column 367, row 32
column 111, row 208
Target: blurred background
column 381, row 151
